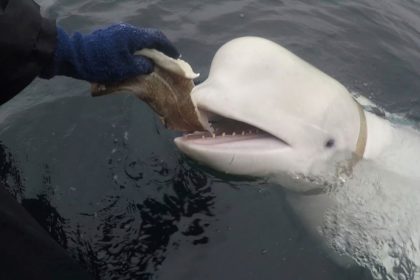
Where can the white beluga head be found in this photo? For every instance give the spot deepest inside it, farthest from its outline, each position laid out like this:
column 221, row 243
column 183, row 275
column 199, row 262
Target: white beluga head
column 269, row 113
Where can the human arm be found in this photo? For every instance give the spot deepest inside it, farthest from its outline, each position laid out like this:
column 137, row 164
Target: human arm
column 32, row 46
column 27, row 43
column 106, row 55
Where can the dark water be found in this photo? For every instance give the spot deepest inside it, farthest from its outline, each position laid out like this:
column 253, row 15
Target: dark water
column 104, row 178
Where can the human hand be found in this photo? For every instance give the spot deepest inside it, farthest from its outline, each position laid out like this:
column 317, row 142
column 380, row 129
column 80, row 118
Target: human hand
column 107, row 55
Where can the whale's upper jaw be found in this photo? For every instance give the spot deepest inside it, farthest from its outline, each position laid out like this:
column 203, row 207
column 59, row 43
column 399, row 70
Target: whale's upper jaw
column 230, row 144
column 234, row 138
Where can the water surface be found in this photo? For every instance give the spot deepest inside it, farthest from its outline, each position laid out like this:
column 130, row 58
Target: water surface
column 104, row 178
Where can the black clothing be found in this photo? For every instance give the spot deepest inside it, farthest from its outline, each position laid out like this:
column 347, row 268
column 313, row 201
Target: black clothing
column 27, row 44
column 26, row 249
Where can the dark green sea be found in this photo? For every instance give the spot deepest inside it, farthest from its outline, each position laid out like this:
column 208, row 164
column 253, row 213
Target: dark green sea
column 104, row 177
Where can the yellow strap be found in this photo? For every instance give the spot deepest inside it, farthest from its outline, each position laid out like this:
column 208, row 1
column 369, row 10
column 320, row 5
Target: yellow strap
column 361, row 141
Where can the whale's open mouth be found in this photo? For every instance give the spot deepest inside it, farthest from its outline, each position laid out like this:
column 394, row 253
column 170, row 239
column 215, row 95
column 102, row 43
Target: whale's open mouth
column 228, row 133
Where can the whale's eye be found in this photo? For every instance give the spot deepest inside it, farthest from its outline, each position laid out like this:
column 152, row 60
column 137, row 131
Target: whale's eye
column 330, row 143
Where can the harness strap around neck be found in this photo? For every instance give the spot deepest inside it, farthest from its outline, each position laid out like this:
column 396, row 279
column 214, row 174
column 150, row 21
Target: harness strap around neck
column 358, row 153
column 362, row 139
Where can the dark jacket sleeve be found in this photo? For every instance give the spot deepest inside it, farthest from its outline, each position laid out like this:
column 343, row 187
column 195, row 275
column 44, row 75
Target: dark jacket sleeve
column 27, row 43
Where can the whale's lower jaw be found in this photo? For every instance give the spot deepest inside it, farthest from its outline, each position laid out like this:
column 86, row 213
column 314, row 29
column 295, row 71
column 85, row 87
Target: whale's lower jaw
column 239, row 144
column 233, row 153
column 231, row 145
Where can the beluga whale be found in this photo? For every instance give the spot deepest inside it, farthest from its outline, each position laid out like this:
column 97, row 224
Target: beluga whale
column 352, row 177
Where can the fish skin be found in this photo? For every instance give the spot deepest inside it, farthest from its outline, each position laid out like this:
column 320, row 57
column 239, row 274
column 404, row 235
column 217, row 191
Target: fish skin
column 167, row 93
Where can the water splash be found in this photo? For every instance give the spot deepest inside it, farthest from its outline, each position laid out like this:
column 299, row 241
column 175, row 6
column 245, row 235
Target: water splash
column 376, row 221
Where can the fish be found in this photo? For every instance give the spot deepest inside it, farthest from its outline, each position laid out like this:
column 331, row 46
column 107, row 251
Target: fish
column 167, row 90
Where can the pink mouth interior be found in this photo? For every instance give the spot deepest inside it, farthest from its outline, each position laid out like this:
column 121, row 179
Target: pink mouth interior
column 227, row 133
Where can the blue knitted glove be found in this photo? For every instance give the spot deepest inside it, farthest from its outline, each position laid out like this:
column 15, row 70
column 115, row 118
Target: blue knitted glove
column 106, row 55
